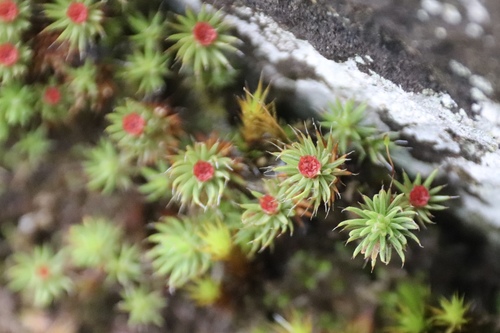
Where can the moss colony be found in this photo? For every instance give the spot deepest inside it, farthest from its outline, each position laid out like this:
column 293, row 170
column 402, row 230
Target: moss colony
column 194, row 189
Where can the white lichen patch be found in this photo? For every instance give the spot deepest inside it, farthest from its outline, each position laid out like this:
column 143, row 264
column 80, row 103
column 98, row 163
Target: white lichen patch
column 476, row 16
column 440, row 33
column 481, row 83
column 474, row 30
column 359, row 60
column 478, row 188
column 481, row 87
column 459, row 69
column 471, row 158
column 448, row 102
column 422, row 15
column 433, row 134
column 476, row 11
column 490, row 114
column 451, row 14
column 433, row 7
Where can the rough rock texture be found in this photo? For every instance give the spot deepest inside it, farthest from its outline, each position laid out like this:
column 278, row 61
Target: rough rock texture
column 312, row 55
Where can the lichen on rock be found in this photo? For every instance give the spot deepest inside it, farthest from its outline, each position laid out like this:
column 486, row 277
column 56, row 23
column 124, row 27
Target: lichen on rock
column 442, row 132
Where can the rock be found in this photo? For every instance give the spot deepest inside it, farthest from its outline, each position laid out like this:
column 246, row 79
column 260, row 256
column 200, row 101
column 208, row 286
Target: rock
column 398, row 87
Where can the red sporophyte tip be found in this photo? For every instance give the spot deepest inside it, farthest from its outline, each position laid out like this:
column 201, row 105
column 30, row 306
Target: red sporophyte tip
column 204, row 33
column 203, row 171
column 77, row 12
column 52, row 95
column 43, row 271
column 8, row 54
column 309, row 166
column 8, row 11
column 269, row 204
column 419, row 196
column 133, row 124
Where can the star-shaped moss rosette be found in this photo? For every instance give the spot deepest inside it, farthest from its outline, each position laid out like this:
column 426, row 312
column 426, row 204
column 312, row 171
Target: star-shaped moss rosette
column 144, row 307
column 377, row 147
column 177, row 250
column 13, row 61
column 259, row 122
column 266, row 219
column 124, row 266
column 311, row 169
column 13, row 19
column 201, row 173
column 52, row 101
column 39, row 275
column 201, row 41
column 145, row 131
column 451, row 314
column 82, row 84
column 422, row 197
column 347, row 123
column 407, row 307
column 16, row 104
column 157, row 187
column 149, row 32
column 385, row 223
column 145, row 71
column 30, row 150
column 204, row 291
column 107, row 169
column 78, row 21
column 93, row 243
